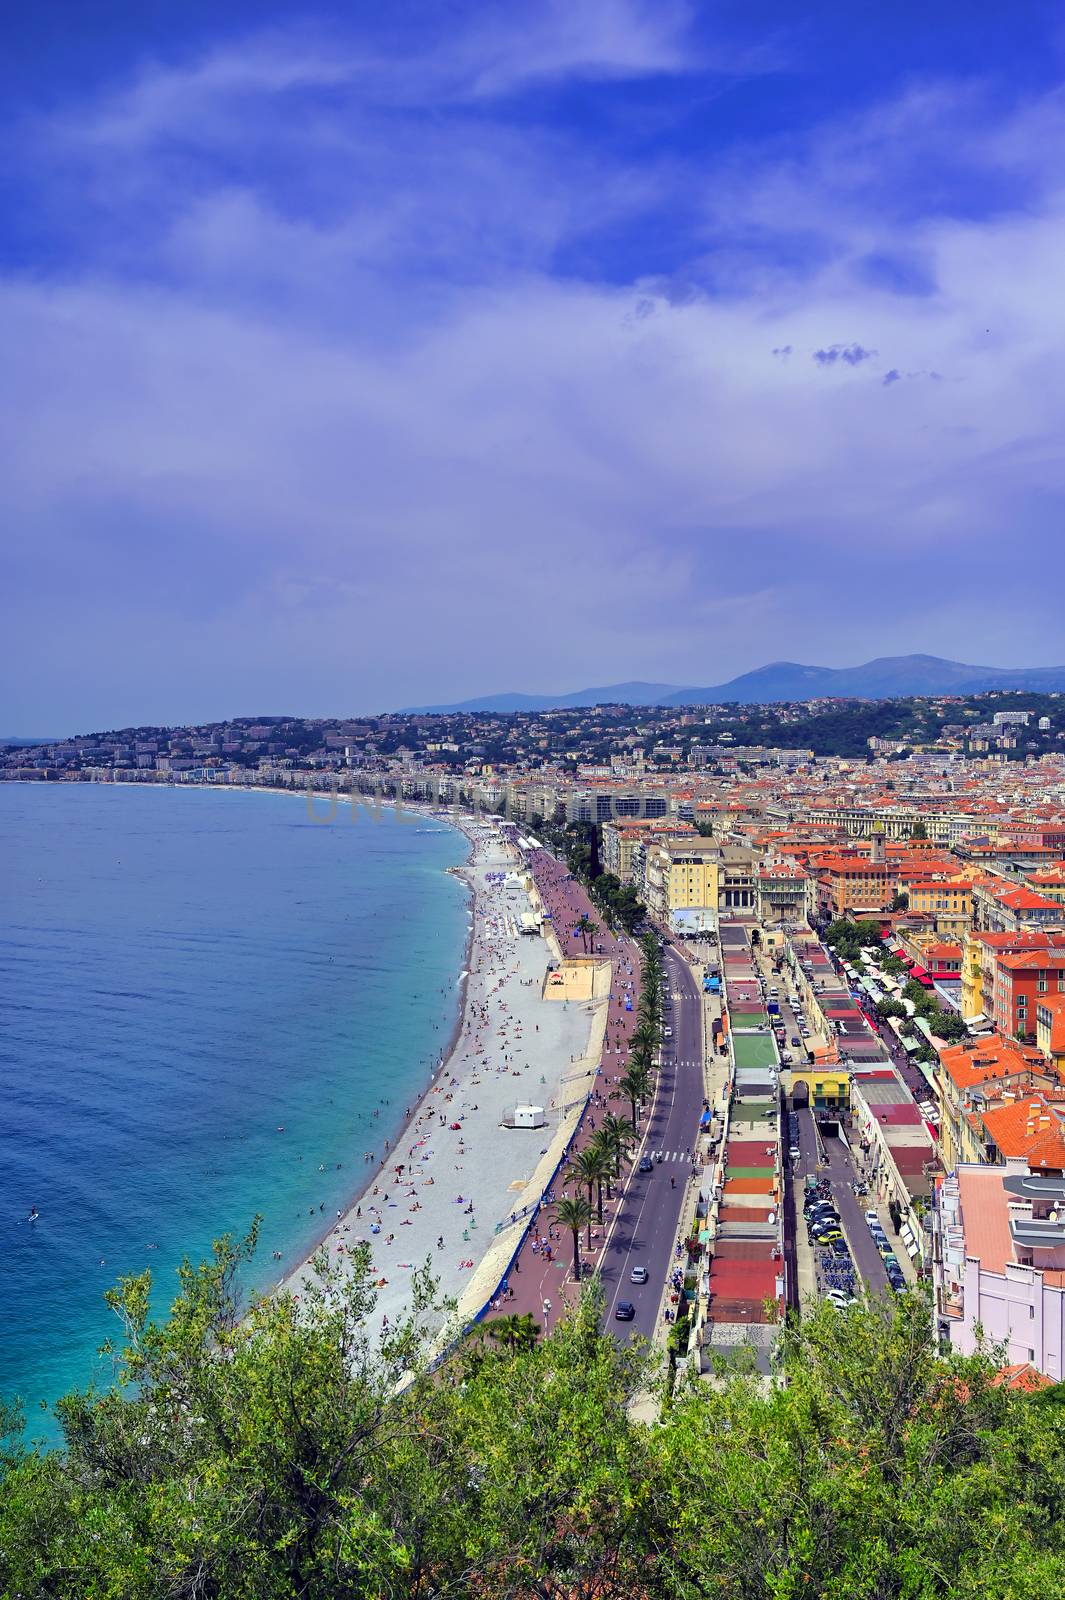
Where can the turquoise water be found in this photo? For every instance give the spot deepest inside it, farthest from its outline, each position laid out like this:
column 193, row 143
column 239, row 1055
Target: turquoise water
column 182, row 974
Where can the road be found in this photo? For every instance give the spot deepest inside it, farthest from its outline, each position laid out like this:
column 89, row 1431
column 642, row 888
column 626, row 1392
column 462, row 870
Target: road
column 841, row 1174
column 646, row 1225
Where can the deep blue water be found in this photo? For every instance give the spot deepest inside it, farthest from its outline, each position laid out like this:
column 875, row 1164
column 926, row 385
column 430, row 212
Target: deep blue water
column 183, row 972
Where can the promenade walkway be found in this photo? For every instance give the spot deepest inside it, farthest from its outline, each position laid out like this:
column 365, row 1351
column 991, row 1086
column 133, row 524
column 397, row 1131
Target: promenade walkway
column 541, row 1279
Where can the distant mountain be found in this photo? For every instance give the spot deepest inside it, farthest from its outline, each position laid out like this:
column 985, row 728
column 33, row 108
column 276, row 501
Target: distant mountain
column 24, row 744
column 882, row 679
column 613, row 694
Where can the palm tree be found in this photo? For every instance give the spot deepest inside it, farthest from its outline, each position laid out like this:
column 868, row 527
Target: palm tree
column 516, row 1333
column 592, row 1166
column 615, row 1135
column 582, row 1169
column 636, row 1083
column 644, row 1039
column 586, row 928
column 575, row 1213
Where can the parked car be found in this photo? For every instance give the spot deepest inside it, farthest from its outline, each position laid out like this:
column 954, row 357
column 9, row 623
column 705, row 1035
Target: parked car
column 624, row 1311
column 871, row 1217
column 638, row 1275
column 794, row 1152
column 827, row 1236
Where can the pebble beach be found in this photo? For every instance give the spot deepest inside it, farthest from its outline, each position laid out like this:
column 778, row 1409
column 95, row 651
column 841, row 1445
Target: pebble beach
column 456, row 1179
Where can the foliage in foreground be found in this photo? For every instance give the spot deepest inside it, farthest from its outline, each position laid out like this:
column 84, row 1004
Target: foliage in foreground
column 271, row 1456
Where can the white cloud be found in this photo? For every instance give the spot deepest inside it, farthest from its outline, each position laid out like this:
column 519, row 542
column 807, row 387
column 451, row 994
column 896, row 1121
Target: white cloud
column 303, row 439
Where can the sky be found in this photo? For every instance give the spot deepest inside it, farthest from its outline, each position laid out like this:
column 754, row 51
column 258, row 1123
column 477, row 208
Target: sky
column 358, row 356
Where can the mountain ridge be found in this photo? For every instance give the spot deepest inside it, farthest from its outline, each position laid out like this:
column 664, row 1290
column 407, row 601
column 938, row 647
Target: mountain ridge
column 882, row 678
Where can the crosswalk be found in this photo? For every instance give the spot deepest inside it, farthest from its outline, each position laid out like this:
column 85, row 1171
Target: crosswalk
column 671, row 1155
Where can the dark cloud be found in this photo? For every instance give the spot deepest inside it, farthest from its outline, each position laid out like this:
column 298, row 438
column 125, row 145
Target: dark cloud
column 782, row 350
column 894, row 376
column 852, row 354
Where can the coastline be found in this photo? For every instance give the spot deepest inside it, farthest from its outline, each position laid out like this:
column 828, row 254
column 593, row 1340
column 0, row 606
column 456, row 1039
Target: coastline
column 506, row 1044
column 453, row 1168
column 401, row 1125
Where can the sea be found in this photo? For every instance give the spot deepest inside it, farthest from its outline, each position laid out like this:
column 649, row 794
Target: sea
column 212, row 1008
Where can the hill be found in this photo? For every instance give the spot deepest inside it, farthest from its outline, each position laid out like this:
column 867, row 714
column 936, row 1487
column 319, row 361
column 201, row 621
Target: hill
column 880, row 679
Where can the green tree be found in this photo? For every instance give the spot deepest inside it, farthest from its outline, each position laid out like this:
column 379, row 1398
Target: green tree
column 514, row 1332
column 591, row 1166
column 574, row 1212
column 617, row 1136
column 635, row 1085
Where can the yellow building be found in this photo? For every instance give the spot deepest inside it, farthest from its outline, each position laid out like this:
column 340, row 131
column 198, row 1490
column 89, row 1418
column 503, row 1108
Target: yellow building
column 681, row 874
column 1050, row 1029
column 828, row 1088
column 948, row 901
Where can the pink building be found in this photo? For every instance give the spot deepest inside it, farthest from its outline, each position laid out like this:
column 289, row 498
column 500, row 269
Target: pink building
column 999, row 1261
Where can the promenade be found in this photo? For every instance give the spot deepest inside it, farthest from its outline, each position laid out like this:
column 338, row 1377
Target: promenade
column 455, row 1175
column 541, row 1279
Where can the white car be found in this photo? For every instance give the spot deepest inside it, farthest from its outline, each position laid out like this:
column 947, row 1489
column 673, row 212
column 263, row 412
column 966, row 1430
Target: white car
column 872, row 1216
column 667, row 1033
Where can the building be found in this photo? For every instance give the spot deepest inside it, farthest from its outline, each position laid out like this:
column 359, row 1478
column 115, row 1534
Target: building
column 975, row 1077
column 1050, row 1030
column 998, row 907
column 999, row 1258
column 901, row 1152
column 980, row 953
column 854, row 883
column 1020, row 980
column 681, row 874
column 783, row 892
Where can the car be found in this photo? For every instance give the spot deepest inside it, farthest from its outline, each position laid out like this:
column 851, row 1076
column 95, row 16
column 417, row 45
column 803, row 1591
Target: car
column 639, row 1275
column 840, row 1247
column 839, row 1298
column 646, row 1164
column 826, row 1236
column 624, row 1311
column 795, row 1041
column 667, row 1033
column 871, row 1217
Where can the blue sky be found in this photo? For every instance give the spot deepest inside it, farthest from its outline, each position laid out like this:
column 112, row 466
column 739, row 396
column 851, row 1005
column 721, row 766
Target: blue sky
column 357, row 356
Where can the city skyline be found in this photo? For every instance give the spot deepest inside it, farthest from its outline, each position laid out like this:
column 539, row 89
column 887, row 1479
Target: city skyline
column 375, row 361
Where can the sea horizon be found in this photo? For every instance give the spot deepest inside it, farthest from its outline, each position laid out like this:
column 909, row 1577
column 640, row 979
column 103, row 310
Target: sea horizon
column 209, row 1010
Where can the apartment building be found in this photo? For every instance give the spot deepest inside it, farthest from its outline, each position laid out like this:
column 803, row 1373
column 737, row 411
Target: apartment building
column 1021, row 980
column 998, row 1264
column 1000, row 908
column 680, row 874
column 974, row 1077
column 784, row 892
column 980, row 953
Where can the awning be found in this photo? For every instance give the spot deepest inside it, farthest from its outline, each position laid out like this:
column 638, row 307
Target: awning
column 911, row 1251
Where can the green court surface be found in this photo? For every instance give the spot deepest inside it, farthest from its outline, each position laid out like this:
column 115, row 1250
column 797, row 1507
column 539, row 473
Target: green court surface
column 748, row 1019
column 754, row 1049
column 750, row 1172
